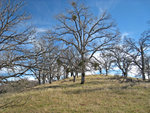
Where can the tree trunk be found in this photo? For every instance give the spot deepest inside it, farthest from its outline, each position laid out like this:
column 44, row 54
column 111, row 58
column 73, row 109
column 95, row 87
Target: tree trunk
column 50, row 76
column 66, row 74
column 39, row 78
column 58, row 73
column 148, row 74
column 83, row 77
column 71, row 73
column 143, row 74
column 125, row 74
column 148, row 71
column 39, row 81
column 83, row 70
column 58, row 77
column 143, row 64
column 50, row 80
column 100, row 70
column 74, row 78
column 43, row 79
column 76, row 74
column 106, row 72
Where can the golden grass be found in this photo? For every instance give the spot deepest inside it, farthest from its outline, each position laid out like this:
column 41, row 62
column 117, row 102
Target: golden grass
column 99, row 94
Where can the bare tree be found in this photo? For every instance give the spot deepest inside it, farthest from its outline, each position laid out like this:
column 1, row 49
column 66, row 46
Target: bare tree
column 121, row 58
column 104, row 61
column 88, row 34
column 13, row 38
column 107, row 61
column 44, row 60
column 147, row 67
column 70, row 60
column 37, row 51
column 140, row 49
column 96, row 64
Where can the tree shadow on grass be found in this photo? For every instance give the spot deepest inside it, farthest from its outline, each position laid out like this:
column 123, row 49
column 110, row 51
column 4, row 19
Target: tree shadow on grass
column 60, row 86
column 98, row 82
column 89, row 90
column 122, row 79
column 74, row 85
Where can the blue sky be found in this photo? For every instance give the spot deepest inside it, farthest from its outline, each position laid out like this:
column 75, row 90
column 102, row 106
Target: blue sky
column 131, row 16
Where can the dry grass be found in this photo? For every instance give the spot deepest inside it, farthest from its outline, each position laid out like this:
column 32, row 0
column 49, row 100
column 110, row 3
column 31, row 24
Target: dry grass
column 98, row 95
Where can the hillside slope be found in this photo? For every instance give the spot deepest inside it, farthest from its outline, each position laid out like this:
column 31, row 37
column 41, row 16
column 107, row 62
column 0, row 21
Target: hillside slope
column 98, row 95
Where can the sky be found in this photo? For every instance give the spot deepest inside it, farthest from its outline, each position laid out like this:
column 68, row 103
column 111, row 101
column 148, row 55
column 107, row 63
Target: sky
column 131, row 16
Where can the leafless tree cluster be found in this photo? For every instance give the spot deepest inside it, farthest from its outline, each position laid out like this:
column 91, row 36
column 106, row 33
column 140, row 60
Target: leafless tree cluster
column 86, row 33
column 126, row 55
column 71, row 62
column 14, row 52
column 140, row 53
column 45, row 60
column 79, row 43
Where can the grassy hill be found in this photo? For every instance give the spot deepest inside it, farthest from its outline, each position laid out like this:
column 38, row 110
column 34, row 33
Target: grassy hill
column 99, row 94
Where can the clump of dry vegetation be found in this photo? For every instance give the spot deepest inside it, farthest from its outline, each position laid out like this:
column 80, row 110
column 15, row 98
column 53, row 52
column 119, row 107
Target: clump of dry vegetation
column 17, row 86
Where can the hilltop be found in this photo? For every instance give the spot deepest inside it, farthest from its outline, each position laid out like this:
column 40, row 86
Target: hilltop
column 99, row 94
